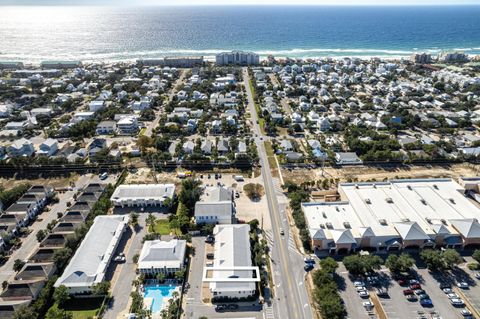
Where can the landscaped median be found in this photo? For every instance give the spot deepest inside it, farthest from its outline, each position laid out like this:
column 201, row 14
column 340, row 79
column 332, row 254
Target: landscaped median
column 271, row 157
column 261, row 121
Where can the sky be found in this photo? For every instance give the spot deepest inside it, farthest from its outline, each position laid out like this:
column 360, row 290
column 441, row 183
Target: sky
column 241, row 2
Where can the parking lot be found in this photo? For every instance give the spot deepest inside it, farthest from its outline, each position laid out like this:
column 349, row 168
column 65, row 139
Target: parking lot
column 194, row 298
column 394, row 304
column 247, row 209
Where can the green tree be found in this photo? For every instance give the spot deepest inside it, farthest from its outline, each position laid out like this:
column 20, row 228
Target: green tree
column 398, row 264
column 133, row 220
column 25, row 312
column 329, row 265
column 150, row 221
column 101, row 288
column 476, row 255
column 61, row 257
column 451, row 257
column 55, row 313
column 41, row 234
column 190, row 193
column 357, row 264
column 18, row 265
column 61, row 295
column 432, row 259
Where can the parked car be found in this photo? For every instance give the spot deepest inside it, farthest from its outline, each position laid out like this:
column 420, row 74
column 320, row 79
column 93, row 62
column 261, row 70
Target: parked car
column 361, row 288
column 426, row 302
column 408, row 292
column 210, row 239
column 368, row 305
column 411, row 297
column 220, row 308
column 381, row 292
column 308, row 267
column 415, row 286
column 457, row 302
column 419, row 292
column 466, row 313
column 210, row 256
column 444, row 285
column 282, row 232
column 452, row 296
column 447, row 290
column 358, row 283
column 363, row 294
column 232, row 306
column 462, row 285
column 402, row 282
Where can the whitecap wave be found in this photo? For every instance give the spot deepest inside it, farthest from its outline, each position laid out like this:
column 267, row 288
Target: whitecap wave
column 210, row 53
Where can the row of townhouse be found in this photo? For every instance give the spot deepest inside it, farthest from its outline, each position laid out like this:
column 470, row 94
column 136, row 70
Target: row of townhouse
column 27, row 284
column 23, row 211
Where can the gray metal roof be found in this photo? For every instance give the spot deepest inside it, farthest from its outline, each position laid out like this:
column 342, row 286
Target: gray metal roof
column 224, row 208
column 90, row 262
column 160, row 254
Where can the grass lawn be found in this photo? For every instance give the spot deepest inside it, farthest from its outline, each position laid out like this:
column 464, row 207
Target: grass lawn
column 270, row 155
column 83, row 308
column 162, row 227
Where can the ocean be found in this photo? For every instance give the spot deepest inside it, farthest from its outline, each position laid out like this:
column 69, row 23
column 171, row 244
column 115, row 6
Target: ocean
column 33, row 34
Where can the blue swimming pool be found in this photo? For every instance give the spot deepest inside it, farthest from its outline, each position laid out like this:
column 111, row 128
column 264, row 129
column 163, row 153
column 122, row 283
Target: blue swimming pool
column 157, row 293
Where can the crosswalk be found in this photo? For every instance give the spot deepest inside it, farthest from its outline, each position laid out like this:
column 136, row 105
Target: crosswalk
column 271, row 242
column 269, row 313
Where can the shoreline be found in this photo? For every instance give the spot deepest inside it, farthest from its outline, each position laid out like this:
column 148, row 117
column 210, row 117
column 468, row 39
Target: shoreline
column 211, row 59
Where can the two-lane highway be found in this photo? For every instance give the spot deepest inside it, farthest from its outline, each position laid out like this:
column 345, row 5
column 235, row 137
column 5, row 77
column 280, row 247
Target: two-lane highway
column 291, row 299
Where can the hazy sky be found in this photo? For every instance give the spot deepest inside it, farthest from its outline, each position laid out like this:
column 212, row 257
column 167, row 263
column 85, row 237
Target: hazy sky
column 243, row 2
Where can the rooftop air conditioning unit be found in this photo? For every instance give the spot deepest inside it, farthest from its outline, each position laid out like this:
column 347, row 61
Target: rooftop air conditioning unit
column 329, row 225
column 322, row 226
column 435, row 186
column 452, row 200
column 324, row 215
column 382, row 221
column 443, row 221
column 405, row 220
column 368, row 201
column 389, row 200
column 424, row 202
column 409, row 187
column 428, row 220
column 346, row 225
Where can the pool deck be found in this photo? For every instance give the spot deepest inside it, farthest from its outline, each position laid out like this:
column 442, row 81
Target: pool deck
column 148, row 301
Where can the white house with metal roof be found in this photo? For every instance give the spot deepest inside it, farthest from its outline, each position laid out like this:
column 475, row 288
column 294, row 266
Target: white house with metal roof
column 89, row 264
column 217, row 207
column 142, row 195
column 231, row 275
column 158, row 256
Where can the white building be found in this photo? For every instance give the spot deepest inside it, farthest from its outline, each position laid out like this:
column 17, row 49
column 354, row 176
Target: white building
column 232, row 272
column 21, row 147
column 414, row 213
column 89, row 264
column 106, row 127
column 48, row 148
column 137, row 195
column 96, row 105
column 217, row 208
column 158, row 256
column 237, row 58
column 127, row 125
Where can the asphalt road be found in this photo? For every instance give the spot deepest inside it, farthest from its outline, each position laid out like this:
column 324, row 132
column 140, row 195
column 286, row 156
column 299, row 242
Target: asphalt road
column 154, row 123
column 291, row 299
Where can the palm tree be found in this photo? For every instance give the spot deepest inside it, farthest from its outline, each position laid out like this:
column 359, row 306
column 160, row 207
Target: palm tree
column 150, row 221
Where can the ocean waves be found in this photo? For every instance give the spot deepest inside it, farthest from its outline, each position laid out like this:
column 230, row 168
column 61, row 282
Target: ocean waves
column 210, row 54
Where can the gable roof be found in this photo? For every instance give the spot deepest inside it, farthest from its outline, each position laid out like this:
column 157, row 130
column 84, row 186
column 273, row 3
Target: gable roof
column 366, row 232
column 410, row 231
column 343, row 236
column 160, row 254
column 468, row 227
column 441, row 229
